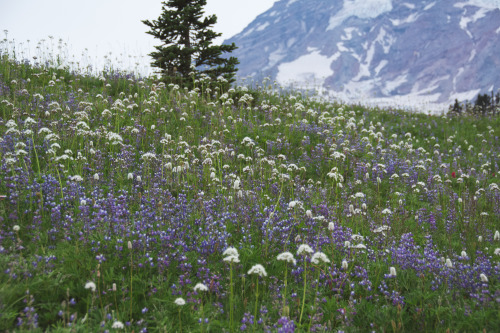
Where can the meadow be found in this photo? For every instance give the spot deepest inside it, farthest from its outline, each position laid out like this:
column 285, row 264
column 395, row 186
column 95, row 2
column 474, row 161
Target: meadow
column 133, row 205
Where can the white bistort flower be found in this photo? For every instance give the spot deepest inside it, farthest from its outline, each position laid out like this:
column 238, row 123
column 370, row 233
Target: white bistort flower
column 392, row 271
column 288, row 257
column 304, row 249
column 258, row 269
column 16, row 228
column 357, row 237
column 200, row 287
column 232, row 259
column 483, row 277
column 319, row 257
column 382, row 229
column 180, row 301
column 148, row 156
column 230, row 251
column 449, row 264
column 118, row 325
column 77, row 178
column 90, row 285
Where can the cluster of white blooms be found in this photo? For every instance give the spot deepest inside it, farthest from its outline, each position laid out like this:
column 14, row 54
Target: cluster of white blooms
column 331, row 226
column 319, row 257
column 76, row 178
column 200, row 287
column 304, row 249
column 114, row 137
column 118, row 325
column 288, row 257
column 148, row 156
column 179, row 301
column 90, row 285
column 231, row 255
column 258, row 269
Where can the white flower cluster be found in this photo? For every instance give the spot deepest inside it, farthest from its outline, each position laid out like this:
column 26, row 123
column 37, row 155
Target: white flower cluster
column 231, row 255
column 258, row 269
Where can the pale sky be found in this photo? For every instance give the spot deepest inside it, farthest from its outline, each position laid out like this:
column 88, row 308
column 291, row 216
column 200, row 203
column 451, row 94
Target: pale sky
column 104, row 26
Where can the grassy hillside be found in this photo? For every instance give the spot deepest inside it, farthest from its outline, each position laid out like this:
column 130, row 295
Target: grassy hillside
column 122, row 195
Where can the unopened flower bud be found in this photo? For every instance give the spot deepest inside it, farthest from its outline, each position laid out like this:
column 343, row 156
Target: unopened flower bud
column 331, row 226
column 448, row 263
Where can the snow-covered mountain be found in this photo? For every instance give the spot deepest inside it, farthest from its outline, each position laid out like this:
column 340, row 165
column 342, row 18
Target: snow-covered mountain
column 377, row 50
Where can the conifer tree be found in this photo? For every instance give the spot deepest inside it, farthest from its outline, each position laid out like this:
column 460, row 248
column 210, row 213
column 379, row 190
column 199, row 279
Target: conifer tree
column 457, row 107
column 187, row 41
column 483, row 103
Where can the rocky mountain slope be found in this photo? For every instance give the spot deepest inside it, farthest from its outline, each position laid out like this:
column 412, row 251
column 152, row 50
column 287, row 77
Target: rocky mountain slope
column 377, row 50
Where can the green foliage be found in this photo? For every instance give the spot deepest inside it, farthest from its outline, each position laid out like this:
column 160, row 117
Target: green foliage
column 187, row 51
column 73, row 232
column 485, row 104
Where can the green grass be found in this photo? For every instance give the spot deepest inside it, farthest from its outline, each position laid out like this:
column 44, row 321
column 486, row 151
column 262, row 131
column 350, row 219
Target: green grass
column 185, row 210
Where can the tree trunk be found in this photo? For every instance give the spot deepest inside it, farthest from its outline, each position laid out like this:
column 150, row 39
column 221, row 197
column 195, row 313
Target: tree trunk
column 187, row 45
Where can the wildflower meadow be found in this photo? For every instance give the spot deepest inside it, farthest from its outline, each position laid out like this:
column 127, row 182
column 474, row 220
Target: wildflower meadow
column 128, row 204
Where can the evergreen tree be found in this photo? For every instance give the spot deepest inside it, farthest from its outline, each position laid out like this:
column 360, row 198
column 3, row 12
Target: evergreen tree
column 457, row 107
column 483, row 103
column 187, row 41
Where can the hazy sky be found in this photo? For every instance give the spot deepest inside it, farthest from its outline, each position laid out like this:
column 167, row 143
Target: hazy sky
column 102, row 26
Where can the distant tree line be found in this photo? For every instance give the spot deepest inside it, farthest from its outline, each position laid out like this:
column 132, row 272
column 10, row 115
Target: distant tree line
column 485, row 104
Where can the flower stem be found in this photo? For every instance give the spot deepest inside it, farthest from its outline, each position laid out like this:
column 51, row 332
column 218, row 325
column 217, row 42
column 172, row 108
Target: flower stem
column 231, row 297
column 256, row 304
column 284, row 293
column 304, row 294
column 131, row 296
column 314, row 302
column 180, row 321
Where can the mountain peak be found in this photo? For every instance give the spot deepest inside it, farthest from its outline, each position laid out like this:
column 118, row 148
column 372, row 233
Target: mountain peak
column 419, row 51
column 360, row 9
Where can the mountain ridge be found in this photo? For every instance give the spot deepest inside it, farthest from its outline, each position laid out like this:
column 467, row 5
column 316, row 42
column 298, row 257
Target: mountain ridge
column 421, row 51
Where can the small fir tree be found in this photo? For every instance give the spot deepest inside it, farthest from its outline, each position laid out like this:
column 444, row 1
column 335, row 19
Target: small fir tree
column 187, row 42
column 457, row 108
column 483, row 103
